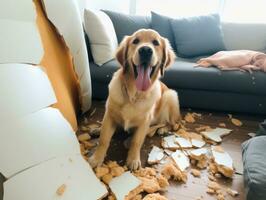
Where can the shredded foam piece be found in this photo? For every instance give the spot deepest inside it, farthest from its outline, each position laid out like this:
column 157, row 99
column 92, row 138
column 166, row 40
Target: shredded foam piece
column 150, row 185
column 171, row 171
column 112, row 164
column 169, row 142
column 181, row 160
column 153, row 129
column 107, row 178
column 231, row 192
column 236, row 122
column 122, row 185
column 189, row 118
column 183, row 143
column 163, row 182
column 203, row 128
column 195, row 172
column 155, row 196
column 117, row 171
column 134, row 194
column 216, row 134
column 145, row 172
column 223, row 162
column 200, row 157
column 156, row 155
column 222, row 124
column 61, row 190
column 101, row 171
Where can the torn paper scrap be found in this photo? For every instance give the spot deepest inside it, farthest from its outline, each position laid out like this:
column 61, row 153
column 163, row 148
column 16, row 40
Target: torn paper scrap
column 197, row 143
column 169, row 142
column 223, row 161
column 181, row 160
column 183, row 143
column 155, row 155
column 122, row 185
column 34, row 139
column 24, row 89
column 199, row 157
column 216, row 134
column 73, row 179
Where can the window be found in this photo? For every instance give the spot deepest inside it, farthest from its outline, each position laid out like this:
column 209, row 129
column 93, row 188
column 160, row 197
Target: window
column 177, row 8
column 247, row 11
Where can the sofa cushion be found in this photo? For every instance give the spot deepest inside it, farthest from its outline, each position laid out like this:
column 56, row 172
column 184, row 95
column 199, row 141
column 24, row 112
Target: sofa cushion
column 254, row 156
column 101, row 33
column 127, row 24
column 195, row 36
column 162, row 25
column 183, row 74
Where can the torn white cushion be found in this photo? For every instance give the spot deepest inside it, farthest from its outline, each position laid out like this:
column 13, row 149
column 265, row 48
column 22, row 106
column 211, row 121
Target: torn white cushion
column 42, row 181
column 35, row 138
column 24, row 89
column 102, row 36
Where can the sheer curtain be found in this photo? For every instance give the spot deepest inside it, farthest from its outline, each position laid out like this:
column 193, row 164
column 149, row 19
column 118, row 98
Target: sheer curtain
column 178, row 8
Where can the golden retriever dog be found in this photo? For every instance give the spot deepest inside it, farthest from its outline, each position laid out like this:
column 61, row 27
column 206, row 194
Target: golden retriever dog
column 137, row 98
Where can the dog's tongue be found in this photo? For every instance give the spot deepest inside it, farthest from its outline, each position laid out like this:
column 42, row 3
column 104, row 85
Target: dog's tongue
column 143, row 81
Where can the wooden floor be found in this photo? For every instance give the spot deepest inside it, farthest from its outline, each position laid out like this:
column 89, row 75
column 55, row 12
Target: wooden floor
column 195, row 187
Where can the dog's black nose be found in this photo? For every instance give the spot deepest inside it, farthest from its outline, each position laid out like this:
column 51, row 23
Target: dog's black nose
column 145, row 52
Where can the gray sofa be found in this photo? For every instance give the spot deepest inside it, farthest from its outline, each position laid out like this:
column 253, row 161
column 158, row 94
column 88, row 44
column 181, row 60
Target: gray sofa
column 205, row 88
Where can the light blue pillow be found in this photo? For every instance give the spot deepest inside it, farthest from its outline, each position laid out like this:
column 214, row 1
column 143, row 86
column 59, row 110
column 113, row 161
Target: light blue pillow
column 196, row 36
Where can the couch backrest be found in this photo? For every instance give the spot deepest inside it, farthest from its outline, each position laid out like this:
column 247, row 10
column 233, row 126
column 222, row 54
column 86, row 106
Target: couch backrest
column 244, row 36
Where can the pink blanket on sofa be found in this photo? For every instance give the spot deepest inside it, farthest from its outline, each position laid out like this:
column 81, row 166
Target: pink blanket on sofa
column 243, row 60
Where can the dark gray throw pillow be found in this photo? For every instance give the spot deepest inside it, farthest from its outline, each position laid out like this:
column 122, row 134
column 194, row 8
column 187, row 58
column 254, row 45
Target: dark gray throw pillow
column 196, row 36
column 254, row 157
column 161, row 24
column 127, row 24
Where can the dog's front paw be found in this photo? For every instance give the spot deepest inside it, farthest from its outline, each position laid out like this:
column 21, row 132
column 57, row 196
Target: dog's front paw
column 133, row 164
column 95, row 161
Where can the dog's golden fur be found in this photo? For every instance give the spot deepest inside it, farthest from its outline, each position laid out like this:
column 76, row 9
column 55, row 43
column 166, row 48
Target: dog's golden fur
column 128, row 107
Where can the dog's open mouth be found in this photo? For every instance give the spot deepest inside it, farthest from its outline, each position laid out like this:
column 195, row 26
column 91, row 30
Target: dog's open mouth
column 143, row 76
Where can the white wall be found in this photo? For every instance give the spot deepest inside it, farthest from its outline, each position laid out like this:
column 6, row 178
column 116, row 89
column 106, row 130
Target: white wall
column 114, row 5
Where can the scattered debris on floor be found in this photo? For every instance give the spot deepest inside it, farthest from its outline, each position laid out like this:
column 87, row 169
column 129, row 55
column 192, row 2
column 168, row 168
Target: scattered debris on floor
column 235, row 121
column 216, row 134
column 252, row 134
column 190, row 117
column 182, row 151
column 195, row 172
column 61, row 190
column 123, row 184
column 156, row 155
column 222, row 161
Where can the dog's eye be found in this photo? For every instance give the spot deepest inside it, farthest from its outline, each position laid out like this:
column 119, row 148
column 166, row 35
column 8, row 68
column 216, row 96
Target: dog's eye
column 135, row 41
column 155, row 43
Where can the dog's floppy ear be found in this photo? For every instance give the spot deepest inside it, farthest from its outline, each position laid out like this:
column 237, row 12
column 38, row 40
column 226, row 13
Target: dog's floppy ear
column 121, row 53
column 168, row 56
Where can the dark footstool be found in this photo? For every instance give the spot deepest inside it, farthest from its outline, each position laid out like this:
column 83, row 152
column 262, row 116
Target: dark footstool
column 254, row 162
